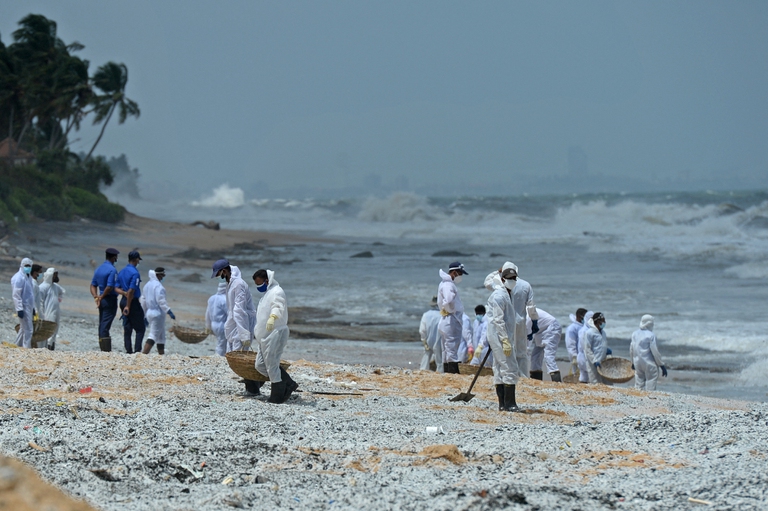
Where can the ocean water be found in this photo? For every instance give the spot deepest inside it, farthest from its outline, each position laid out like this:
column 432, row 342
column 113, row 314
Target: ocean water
column 697, row 261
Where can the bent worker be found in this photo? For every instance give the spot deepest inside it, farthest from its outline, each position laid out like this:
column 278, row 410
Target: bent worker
column 430, row 338
column 24, row 302
column 572, row 338
column 271, row 334
column 241, row 314
column 51, row 294
column 479, row 338
column 595, row 346
column 157, row 307
column 645, row 356
column 129, row 285
column 452, row 312
column 103, row 291
column 501, row 325
column 544, row 346
column 216, row 317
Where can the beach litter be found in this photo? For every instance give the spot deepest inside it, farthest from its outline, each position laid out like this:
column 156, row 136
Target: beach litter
column 699, row 501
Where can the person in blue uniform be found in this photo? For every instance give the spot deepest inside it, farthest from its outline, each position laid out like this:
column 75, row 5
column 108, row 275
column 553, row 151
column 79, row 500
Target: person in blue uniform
column 103, row 291
column 129, row 286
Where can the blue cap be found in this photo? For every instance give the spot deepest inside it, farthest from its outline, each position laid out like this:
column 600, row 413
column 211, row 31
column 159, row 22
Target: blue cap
column 458, row 267
column 218, row 266
column 134, row 254
column 112, row 251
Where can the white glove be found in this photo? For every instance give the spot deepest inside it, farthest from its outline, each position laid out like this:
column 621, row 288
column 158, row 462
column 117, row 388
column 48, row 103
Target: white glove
column 271, row 322
column 506, row 347
column 426, row 346
column 245, row 345
column 478, row 351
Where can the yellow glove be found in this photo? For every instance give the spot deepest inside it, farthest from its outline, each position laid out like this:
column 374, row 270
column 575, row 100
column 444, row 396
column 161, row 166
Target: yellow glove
column 444, row 313
column 478, row 351
column 426, row 346
column 35, row 318
column 506, row 347
column 271, row 322
column 246, row 346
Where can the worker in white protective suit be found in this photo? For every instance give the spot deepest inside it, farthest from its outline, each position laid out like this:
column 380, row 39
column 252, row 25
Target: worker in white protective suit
column 241, row 315
column 522, row 301
column 543, row 346
column 271, row 334
column 581, row 360
column 430, row 338
column 645, row 356
column 216, row 317
column 51, row 294
column 595, row 346
column 501, row 326
column 24, row 301
column 36, row 271
column 572, row 338
column 155, row 305
column 466, row 350
column 452, row 312
column 480, row 338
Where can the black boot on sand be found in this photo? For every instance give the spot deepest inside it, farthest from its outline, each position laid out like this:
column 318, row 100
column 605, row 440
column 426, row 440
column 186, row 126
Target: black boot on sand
column 500, row 395
column 556, row 376
column 290, row 385
column 277, row 392
column 537, row 375
column 510, row 405
column 252, row 387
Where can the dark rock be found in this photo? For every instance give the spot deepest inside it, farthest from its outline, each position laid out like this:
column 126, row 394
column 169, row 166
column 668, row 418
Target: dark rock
column 367, row 253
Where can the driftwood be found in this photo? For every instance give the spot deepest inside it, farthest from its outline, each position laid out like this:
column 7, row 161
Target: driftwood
column 208, row 225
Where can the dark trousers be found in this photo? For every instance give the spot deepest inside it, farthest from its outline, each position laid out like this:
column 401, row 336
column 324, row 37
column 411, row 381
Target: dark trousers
column 134, row 321
column 107, row 312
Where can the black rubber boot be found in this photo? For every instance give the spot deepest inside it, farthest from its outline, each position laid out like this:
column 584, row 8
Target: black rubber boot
column 253, row 387
column 447, row 368
column 161, row 349
column 290, row 385
column 277, row 392
column 500, row 395
column 537, row 375
column 510, row 405
column 148, row 346
column 556, row 376
column 105, row 344
column 51, row 346
column 451, row 367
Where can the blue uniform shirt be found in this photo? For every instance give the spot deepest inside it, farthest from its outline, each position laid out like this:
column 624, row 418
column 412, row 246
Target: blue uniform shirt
column 130, row 278
column 105, row 276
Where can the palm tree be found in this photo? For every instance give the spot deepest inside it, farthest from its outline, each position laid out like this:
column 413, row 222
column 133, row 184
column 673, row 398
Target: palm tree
column 111, row 79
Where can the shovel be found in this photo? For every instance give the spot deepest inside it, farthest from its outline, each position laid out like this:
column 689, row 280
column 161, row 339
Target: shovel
column 467, row 396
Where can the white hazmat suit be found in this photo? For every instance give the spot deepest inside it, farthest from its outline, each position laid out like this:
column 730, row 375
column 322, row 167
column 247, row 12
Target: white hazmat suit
column 466, row 338
column 594, row 344
column 216, row 317
column 522, row 301
column 155, row 308
column 582, row 361
column 645, row 355
column 241, row 313
column 545, row 342
column 51, row 294
column 23, row 300
column 480, row 342
column 500, row 315
column 271, row 331
column 572, row 340
column 428, row 332
column 450, row 325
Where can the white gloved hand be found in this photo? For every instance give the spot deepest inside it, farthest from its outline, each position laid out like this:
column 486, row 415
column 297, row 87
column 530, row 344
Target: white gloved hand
column 271, row 322
column 478, row 351
column 426, row 346
column 574, row 365
column 506, row 347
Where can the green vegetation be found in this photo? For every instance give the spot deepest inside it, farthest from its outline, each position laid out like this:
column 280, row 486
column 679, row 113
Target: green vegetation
column 45, row 95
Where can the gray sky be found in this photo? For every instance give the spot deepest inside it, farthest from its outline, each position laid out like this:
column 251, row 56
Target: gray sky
column 320, row 95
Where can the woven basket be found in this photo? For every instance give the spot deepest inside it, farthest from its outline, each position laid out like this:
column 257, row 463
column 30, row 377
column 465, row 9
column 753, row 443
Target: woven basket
column 616, row 370
column 41, row 330
column 571, row 378
column 189, row 335
column 243, row 363
column 470, row 369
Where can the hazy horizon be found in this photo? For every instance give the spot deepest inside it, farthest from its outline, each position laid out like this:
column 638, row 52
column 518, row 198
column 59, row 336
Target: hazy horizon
column 431, row 97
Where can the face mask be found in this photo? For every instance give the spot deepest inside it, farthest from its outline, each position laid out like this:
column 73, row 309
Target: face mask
column 457, row 279
column 263, row 288
column 479, row 317
column 223, row 278
column 510, row 284
column 161, row 279
column 27, row 270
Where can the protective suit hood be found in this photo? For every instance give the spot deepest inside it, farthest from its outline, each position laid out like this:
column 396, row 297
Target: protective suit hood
column 591, row 324
column 153, row 275
column 588, row 317
column 443, row 276
column 48, row 276
column 646, row 322
column 272, row 281
column 24, row 262
column 510, row 264
column 235, row 272
column 493, row 280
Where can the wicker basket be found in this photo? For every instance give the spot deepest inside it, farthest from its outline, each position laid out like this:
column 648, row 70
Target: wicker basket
column 41, row 330
column 571, row 378
column 616, row 370
column 243, row 363
column 470, row 369
column 189, row 335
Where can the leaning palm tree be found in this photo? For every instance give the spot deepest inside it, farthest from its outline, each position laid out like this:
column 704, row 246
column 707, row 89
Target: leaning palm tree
column 111, row 79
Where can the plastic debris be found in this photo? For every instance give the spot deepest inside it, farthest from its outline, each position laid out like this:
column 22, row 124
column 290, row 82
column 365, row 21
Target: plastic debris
column 227, row 480
column 435, row 430
column 699, row 501
column 38, row 448
column 36, row 430
column 86, row 390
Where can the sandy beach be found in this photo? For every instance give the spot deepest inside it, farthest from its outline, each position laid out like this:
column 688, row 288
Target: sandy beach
column 174, row 432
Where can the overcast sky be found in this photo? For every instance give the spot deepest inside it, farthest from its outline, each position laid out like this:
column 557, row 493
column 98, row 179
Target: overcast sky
column 322, row 95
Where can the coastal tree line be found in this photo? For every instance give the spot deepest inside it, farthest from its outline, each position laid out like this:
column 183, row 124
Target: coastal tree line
column 46, row 94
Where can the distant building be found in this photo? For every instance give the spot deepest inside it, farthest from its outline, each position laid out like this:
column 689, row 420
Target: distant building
column 9, row 150
column 577, row 162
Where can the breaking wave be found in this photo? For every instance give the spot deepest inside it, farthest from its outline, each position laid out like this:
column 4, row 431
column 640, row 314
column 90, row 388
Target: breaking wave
column 223, row 197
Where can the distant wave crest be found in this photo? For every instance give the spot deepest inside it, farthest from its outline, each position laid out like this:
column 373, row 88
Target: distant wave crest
column 223, row 197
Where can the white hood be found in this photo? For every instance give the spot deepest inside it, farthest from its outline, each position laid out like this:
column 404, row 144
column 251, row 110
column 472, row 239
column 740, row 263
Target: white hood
column 444, row 276
column 591, row 324
column 493, row 280
column 235, row 272
column 152, row 275
column 271, row 278
column 646, row 322
column 48, row 276
column 510, row 264
column 24, row 262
